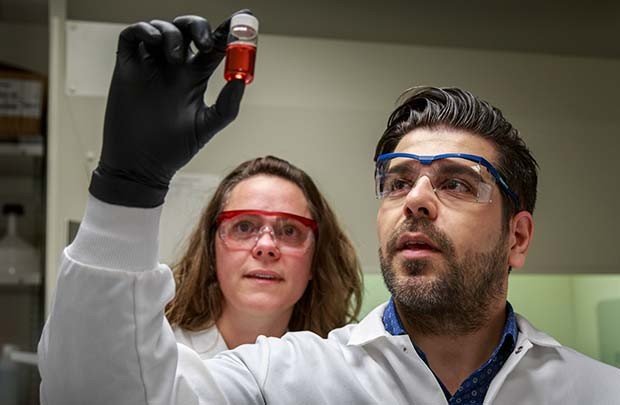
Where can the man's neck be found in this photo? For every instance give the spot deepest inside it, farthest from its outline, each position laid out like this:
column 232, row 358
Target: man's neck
column 453, row 358
column 239, row 328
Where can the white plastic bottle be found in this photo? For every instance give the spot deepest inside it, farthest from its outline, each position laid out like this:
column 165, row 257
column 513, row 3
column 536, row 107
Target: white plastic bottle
column 19, row 261
column 8, row 377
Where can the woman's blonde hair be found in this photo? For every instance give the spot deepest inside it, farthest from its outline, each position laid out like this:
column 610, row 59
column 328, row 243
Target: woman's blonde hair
column 333, row 295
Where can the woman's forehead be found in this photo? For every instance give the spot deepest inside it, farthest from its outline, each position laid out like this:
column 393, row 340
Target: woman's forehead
column 268, row 193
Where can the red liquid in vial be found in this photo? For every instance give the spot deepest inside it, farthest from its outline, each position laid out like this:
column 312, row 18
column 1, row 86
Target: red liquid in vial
column 240, row 62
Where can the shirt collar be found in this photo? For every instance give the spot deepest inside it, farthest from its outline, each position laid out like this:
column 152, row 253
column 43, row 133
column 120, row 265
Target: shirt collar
column 510, row 327
column 391, row 321
column 394, row 326
column 372, row 328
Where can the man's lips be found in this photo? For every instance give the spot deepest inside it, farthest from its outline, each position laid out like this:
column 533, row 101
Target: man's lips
column 416, row 242
column 264, row 275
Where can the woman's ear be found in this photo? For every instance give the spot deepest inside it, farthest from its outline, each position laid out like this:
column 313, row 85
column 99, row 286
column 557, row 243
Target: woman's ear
column 521, row 233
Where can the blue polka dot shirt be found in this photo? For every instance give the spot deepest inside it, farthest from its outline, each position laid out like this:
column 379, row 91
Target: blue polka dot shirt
column 475, row 387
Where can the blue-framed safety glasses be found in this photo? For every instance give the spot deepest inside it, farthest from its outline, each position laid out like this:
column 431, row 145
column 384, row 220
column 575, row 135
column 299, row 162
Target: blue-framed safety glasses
column 453, row 176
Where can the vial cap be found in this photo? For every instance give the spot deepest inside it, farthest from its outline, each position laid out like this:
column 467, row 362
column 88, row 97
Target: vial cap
column 13, row 209
column 244, row 19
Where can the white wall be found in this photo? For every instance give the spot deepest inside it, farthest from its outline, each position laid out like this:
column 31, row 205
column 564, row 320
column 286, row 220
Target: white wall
column 323, row 104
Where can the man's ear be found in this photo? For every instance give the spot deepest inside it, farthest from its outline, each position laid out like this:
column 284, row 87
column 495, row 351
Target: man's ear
column 521, row 233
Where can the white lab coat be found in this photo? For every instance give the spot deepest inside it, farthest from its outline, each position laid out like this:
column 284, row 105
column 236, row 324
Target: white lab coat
column 207, row 342
column 107, row 342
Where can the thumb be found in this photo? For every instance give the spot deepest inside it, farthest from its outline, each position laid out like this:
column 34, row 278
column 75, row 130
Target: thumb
column 213, row 119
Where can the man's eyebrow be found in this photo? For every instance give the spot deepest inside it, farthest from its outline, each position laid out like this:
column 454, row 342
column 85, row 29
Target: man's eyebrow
column 460, row 168
column 404, row 164
column 402, row 167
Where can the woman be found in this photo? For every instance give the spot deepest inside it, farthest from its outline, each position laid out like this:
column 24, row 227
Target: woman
column 266, row 257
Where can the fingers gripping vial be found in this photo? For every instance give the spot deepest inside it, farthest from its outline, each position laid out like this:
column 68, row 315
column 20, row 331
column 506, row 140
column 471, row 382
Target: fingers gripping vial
column 146, row 140
column 241, row 48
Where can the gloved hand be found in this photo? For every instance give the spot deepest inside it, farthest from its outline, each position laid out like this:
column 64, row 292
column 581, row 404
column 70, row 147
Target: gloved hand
column 156, row 119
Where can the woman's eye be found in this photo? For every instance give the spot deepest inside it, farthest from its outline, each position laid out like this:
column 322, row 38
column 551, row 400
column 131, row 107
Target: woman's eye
column 244, row 227
column 290, row 231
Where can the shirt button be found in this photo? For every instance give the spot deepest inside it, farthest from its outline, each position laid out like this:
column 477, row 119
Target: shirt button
column 519, row 349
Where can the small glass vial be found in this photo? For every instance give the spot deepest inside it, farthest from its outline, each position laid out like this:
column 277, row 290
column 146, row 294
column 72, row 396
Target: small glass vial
column 241, row 48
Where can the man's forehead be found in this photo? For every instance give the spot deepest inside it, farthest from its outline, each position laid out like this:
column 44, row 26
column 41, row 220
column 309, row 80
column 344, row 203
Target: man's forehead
column 424, row 141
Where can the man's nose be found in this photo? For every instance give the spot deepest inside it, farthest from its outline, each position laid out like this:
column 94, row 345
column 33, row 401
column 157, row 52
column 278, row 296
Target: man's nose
column 422, row 201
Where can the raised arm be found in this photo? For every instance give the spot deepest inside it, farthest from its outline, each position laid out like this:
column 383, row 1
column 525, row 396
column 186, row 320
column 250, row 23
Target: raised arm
column 107, row 340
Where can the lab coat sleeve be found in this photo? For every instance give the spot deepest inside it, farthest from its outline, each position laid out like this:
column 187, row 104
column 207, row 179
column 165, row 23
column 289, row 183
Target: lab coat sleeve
column 106, row 340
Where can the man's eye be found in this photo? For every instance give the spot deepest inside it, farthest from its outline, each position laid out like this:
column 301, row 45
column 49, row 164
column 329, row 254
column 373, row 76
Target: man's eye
column 396, row 185
column 457, row 186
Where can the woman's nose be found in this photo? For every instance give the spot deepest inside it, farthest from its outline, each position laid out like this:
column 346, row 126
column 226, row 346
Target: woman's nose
column 266, row 246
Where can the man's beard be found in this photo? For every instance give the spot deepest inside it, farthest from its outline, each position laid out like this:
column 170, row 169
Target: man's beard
column 457, row 301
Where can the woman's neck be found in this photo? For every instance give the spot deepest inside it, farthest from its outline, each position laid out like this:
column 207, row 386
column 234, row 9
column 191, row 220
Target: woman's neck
column 239, row 328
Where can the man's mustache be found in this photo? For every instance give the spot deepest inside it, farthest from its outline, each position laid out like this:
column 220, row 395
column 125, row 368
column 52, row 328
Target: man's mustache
column 425, row 226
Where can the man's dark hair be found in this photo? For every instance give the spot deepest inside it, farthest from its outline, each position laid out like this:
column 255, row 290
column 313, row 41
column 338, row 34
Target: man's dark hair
column 453, row 108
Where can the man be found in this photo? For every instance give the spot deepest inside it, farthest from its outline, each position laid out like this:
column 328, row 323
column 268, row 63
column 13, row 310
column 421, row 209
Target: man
column 457, row 188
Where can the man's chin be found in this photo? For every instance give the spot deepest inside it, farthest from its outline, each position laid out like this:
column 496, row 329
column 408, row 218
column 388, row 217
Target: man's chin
column 420, row 276
column 416, row 267
column 420, row 284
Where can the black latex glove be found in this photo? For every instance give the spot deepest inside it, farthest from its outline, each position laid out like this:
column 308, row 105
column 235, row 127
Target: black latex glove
column 156, row 119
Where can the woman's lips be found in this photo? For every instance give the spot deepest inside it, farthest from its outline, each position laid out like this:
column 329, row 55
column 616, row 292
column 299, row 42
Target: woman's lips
column 265, row 276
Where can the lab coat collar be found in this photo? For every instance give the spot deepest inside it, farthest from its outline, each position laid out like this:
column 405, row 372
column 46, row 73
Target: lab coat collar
column 371, row 328
column 534, row 335
column 208, row 340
